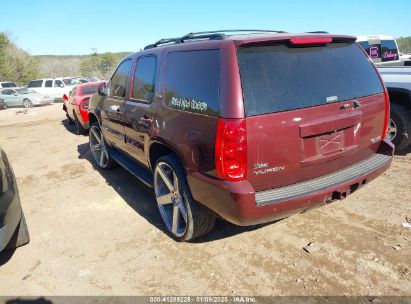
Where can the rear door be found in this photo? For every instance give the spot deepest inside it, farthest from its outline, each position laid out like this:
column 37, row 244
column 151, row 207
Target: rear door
column 113, row 106
column 311, row 110
column 139, row 108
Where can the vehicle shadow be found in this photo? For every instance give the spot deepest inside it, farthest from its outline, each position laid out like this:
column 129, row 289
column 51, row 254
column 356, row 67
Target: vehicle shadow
column 70, row 127
column 40, row 300
column 6, row 255
column 142, row 200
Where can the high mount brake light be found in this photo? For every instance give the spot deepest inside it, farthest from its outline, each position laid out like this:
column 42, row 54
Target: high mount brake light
column 310, row 40
column 231, row 149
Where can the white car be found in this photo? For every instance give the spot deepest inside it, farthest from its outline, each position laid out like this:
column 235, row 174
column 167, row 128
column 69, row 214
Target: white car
column 54, row 87
column 14, row 97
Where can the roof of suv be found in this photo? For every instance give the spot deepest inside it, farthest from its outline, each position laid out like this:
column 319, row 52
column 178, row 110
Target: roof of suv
column 252, row 36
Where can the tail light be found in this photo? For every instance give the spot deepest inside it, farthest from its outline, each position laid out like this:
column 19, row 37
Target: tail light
column 231, row 149
column 386, row 97
column 386, row 114
column 84, row 104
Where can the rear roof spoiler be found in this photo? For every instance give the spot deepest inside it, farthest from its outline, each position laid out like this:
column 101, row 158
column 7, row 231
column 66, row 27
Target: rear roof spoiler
column 298, row 40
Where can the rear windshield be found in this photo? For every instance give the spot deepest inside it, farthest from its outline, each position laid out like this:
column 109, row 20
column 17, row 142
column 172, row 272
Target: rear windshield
column 278, row 78
column 89, row 90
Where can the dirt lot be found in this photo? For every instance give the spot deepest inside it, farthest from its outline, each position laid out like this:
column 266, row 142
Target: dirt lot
column 99, row 233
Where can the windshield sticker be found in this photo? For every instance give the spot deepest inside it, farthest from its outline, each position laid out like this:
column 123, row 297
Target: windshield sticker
column 188, row 104
column 390, row 55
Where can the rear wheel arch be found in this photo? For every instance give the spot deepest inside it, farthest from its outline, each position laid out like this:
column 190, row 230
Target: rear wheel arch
column 400, row 96
column 92, row 118
column 158, row 149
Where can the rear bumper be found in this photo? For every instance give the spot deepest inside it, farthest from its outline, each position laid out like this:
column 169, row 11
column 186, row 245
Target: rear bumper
column 238, row 203
column 84, row 119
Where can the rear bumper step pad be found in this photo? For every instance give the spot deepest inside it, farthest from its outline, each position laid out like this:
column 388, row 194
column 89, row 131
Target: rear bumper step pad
column 357, row 170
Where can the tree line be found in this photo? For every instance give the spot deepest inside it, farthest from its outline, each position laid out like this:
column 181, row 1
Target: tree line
column 404, row 44
column 16, row 64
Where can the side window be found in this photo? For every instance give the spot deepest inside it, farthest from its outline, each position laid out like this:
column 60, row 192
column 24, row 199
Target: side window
column 144, row 79
column 389, row 50
column 58, row 84
column 48, row 83
column 7, row 92
column 35, row 84
column 192, row 81
column 118, row 82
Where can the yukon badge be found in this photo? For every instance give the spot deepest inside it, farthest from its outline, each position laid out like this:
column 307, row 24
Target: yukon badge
column 264, row 168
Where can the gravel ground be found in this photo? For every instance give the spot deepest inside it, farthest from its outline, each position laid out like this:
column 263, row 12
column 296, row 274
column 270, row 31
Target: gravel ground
column 99, row 233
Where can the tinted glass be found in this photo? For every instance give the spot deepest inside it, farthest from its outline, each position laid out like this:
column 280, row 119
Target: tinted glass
column 145, row 79
column 23, row 91
column 89, row 90
column 279, row 78
column 35, row 84
column 118, row 82
column 7, row 92
column 58, row 84
column 373, row 50
column 48, row 83
column 8, row 84
column 389, row 50
column 192, row 81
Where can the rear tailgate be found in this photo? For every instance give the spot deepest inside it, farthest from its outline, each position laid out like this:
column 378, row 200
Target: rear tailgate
column 311, row 110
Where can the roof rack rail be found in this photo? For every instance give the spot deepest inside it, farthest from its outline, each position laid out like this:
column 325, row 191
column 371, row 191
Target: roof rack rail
column 318, row 32
column 210, row 35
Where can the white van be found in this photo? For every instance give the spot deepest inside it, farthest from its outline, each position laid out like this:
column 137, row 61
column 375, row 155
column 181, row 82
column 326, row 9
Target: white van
column 55, row 87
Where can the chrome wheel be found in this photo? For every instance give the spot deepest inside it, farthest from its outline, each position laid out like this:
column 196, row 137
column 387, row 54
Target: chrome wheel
column 98, row 147
column 27, row 103
column 170, row 200
column 392, row 130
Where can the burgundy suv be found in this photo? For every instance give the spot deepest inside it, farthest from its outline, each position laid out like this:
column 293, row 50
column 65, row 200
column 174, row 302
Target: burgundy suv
column 249, row 126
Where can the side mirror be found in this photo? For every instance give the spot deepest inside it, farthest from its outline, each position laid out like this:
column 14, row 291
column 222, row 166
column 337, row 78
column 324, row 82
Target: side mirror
column 102, row 89
column 65, row 97
column 61, row 85
column 15, row 94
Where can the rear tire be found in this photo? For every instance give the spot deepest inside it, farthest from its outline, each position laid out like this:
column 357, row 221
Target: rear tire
column 99, row 148
column 184, row 218
column 399, row 130
column 78, row 128
column 21, row 235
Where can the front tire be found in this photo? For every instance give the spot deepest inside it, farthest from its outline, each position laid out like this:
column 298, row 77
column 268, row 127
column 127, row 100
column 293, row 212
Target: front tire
column 99, row 149
column 27, row 103
column 399, row 128
column 183, row 217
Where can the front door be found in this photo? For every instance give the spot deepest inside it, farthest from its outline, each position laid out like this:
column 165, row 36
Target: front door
column 11, row 97
column 139, row 109
column 113, row 106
